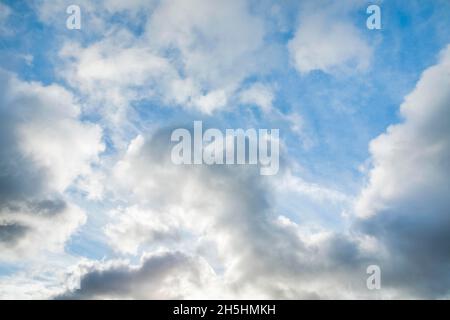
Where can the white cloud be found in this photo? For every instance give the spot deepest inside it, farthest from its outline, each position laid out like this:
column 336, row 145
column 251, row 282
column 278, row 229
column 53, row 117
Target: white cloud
column 114, row 72
column 21, row 286
column 260, row 95
column 44, row 149
column 411, row 156
column 192, row 54
column 217, row 45
column 326, row 40
column 132, row 227
column 293, row 183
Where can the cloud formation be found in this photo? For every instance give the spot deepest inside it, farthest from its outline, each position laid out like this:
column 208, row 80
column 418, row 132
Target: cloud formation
column 214, row 210
column 42, row 152
column 328, row 42
column 405, row 204
column 165, row 275
column 92, row 207
column 191, row 54
column 224, row 215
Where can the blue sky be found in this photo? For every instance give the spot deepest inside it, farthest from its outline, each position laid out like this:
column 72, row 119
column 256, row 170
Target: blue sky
column 136, row 70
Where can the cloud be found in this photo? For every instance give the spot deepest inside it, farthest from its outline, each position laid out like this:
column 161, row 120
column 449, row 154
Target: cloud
column 326, row 40
column 191, row 54
column 260, row 95
column 293, row 183
column 23, row 286
column 224, row 215
column 31, row 228
column 43, row 149
column 165, row 275
column 131, row 228
column 405, row 203
column 217, row 45
column 116, row 71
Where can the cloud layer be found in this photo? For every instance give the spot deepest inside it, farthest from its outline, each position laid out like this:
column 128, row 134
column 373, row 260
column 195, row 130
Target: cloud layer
column 92, row 207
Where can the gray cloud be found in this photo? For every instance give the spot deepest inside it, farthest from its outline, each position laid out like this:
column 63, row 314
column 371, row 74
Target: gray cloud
column 159, row 276
column 406, row 203
column 42, row 150
column 326, row 41
column 9, row 233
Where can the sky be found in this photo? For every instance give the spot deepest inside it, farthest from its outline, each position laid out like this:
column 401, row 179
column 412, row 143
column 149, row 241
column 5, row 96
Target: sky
column 93, row 207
